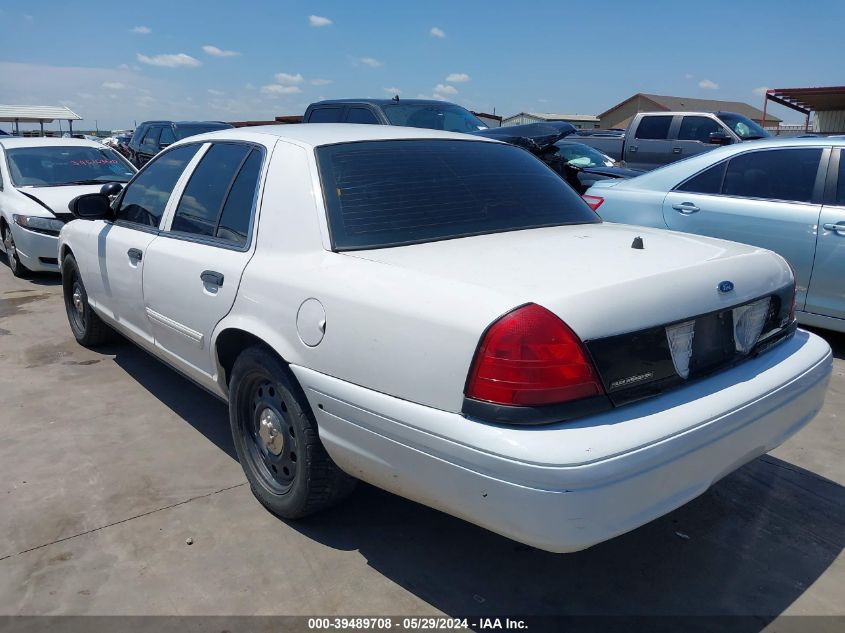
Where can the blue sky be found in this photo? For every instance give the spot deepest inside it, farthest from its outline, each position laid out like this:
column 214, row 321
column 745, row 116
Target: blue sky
column 121, row 62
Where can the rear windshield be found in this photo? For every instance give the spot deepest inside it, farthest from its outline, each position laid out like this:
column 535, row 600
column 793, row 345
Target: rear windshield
column 390, row 193
column 184, row 131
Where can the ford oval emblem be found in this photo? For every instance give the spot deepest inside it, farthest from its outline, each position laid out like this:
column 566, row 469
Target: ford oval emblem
column 726, row 286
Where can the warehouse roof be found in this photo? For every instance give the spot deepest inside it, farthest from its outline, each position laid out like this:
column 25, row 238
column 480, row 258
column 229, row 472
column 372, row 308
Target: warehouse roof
column 689, row 104
column 548, row 116
column 36, row 114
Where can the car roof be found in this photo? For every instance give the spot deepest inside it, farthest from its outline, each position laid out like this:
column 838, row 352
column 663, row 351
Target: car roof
column 48, row 141
column 316, row 134
column 669, row 175
column 382, row 102
column 182, row 123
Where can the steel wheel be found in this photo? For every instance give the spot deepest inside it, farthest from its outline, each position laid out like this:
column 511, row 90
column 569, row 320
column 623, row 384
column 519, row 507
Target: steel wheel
column 76, row 309
column 269, row 436
column 12, row 252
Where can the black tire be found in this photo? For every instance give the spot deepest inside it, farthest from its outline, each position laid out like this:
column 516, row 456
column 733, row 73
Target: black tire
column 87, row 327
column 18, row 270
column 276, row 439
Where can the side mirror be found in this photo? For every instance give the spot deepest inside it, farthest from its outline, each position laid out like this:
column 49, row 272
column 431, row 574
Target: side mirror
column 163, row 145
column 719, row 138
column 111, row 189
column 91, row 206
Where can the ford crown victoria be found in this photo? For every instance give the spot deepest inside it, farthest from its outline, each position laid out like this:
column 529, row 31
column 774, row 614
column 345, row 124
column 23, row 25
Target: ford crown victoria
column 442, row 316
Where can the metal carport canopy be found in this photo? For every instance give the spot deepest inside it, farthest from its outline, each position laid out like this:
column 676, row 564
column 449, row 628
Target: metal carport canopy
column 37, row 114
column 806, row 100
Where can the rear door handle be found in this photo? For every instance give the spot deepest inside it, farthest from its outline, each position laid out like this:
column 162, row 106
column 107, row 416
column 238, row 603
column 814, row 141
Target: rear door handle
column 676, row 150
column 686, row 208
column 838, row 228
column 632, row 149
column 212, row 277
column 135, row 254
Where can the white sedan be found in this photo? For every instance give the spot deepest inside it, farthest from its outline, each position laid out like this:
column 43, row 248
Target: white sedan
column 38, row 178
column 442, row 316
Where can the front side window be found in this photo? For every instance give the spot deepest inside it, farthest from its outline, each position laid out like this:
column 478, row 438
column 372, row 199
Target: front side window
column 654, row 128
column 218, row 199
column 361, row 115
column 66, row 165
column 580, row 155
column 151, row 137
column 166, row 137
column 775, row 174
column 144, row 200
column 840, row 183
column 743, row 127
column 698, row 128
column 390, row 193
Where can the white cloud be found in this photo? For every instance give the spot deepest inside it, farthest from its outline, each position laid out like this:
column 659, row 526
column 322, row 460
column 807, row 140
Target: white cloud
column 706, row 84
column 113, row 85
column 689, row 76
column 318, row 21
column 392, row 91
column 372, row 62
column 170, row 60
column 457, row 77
column 142, row 30
column 277, row 89
column 218, row 52
column 320, row 82
column 287, row 78
column 761, row 91
column 436, row 32
column 445, row 89
column 216, row 93
column 543, row 100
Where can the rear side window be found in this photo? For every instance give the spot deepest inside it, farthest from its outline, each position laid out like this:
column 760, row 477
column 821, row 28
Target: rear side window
column 654, row 127
column 708, row 181
column 145, row 198
column 218, row 199
column 698, row 128
column 389, row 193
column 775, row 174
column 325, row 115
column 361, row 115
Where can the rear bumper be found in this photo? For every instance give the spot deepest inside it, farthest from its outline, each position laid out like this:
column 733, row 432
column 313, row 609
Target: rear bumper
column 563, row 488
column 37, row 251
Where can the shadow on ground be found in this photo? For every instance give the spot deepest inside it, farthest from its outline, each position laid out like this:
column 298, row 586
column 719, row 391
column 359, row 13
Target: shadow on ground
column 750, row 546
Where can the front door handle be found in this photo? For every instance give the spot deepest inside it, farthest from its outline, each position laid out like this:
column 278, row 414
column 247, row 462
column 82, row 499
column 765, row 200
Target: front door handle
column 632, row 149
column 676, row 150
column 212, row 277
column 838, row 228
column 135, row 254
column 686, row 208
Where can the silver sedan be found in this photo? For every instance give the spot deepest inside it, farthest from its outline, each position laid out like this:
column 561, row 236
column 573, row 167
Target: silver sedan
column 787, row 195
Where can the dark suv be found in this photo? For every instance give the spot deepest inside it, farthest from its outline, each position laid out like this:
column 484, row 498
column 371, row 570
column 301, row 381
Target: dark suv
column 153, row 136
column 435, row 115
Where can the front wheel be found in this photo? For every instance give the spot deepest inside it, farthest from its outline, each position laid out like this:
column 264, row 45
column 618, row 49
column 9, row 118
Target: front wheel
column 87, row 327
column 18, row 269
column 276, row 439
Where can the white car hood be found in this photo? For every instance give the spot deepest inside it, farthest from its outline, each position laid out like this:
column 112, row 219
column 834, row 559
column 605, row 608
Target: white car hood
column 56, row 198
column 592, row 278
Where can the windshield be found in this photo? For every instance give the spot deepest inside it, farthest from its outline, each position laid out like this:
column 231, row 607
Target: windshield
column 66, row 165
column 448, row 117
column 391, row 193
column 581, row 155
column 743, row 127
column 184, row 131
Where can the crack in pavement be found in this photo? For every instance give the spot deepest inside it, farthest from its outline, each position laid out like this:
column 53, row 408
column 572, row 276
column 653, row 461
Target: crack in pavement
column 132, row 518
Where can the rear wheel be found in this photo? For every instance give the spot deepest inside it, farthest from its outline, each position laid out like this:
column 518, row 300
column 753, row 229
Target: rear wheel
column 18, row 269
column 276, row 439
column 87, row 327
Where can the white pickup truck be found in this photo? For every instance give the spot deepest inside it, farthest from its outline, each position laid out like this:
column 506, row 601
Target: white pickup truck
column 659, row 138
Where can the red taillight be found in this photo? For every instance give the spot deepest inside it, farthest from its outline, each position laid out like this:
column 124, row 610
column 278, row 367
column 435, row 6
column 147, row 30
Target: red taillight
column 530, row 357
column 593, row 201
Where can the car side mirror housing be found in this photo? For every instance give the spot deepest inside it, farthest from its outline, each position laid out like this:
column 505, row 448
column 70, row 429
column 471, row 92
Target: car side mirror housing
column 719, row 138
column 91, row 206
column 111, row 189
